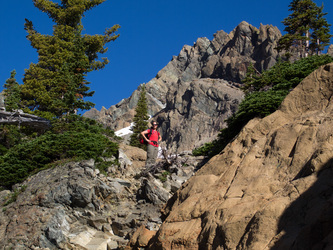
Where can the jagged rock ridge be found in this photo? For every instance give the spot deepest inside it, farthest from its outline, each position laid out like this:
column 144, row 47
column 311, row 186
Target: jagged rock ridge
column 270, row 188
column 206, row 73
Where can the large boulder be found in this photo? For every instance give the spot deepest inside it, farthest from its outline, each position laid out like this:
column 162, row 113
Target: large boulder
column 270, row 188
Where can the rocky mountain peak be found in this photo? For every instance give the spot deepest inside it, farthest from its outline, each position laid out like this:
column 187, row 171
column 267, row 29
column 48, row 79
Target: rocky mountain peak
column 244, row 37
column 199, row 87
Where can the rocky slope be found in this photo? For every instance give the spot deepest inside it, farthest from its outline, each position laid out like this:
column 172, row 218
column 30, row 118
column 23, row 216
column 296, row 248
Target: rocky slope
column 270, row 188
column 206, row 73
column 74, row 206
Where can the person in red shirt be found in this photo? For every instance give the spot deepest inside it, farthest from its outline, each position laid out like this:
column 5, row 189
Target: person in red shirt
column 153, row 140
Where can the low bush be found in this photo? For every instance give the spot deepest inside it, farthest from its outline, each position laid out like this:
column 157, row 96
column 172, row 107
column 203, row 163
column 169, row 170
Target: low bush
column 74, row 138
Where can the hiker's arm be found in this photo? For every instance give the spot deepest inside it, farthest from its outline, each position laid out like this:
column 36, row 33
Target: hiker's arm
column 159, row 137
column 143, row 133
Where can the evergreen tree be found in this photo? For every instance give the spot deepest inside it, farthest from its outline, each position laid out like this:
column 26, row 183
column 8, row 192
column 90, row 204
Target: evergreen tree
column 12, row 92
column 57, row 84
column 140, row 119
column 307, row 29
column 321, row 33
column 251, row 74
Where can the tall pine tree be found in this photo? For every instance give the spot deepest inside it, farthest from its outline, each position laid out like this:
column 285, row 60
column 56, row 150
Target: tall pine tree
column 307, row 29
column 140, row 119
column 12, row 92
column 57, row 83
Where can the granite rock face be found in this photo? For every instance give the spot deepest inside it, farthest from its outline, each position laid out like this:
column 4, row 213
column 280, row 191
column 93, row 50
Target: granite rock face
column 220, row 63
column 270, row 188
column 195, row 112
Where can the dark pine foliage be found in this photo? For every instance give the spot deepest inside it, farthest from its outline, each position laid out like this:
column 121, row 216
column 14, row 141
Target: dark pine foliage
column 71, row 138
column 12, row 92
column 308, row 31
column 140, row 119
column 57, row 84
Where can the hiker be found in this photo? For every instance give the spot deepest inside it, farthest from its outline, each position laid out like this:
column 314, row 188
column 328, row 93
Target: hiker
column 152, row 137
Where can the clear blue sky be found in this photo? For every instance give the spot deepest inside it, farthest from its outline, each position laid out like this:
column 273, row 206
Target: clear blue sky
column 152, row 31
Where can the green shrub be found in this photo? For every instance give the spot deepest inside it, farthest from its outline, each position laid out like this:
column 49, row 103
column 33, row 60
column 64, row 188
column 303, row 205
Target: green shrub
column 204, row 150
column 284, row 75
column 164, row 176
column 73, row 138
column 11, row 135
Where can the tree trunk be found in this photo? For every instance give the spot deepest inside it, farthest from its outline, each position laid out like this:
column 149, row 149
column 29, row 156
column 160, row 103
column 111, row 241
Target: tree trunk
column 307, row 43
column 19, row 118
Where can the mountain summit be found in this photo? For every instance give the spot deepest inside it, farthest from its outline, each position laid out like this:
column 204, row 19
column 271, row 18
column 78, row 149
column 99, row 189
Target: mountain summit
column 198, row 89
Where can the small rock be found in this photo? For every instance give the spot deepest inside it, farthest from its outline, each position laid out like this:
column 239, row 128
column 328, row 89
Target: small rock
column 88, row 163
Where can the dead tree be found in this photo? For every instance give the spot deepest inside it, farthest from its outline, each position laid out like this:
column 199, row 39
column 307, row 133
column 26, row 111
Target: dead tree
column 19, row 118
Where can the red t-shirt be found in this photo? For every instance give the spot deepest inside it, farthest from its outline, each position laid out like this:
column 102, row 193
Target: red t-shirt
column 153, row 136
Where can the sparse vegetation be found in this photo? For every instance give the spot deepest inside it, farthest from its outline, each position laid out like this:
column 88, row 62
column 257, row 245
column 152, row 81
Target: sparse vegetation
column 164, row 176
column 13, row 196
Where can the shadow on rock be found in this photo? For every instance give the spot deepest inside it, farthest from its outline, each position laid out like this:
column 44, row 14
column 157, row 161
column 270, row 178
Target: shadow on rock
column 308, row 222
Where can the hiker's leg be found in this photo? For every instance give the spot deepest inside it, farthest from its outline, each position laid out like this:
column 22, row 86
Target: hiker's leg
column 150, row 155
column 155, row 152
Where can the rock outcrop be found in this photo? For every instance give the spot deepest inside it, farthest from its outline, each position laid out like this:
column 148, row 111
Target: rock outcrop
column 195, row 112
column 330, row 50
column 74, row 206
column 270, row 188
column 220, row 64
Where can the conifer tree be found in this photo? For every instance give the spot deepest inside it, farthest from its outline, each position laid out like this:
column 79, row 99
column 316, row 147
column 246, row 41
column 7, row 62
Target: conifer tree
column 57, row 83
column 12, row 92
column 321, row 33
column 307, row 29
column 252, row 74
column 140, row 119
